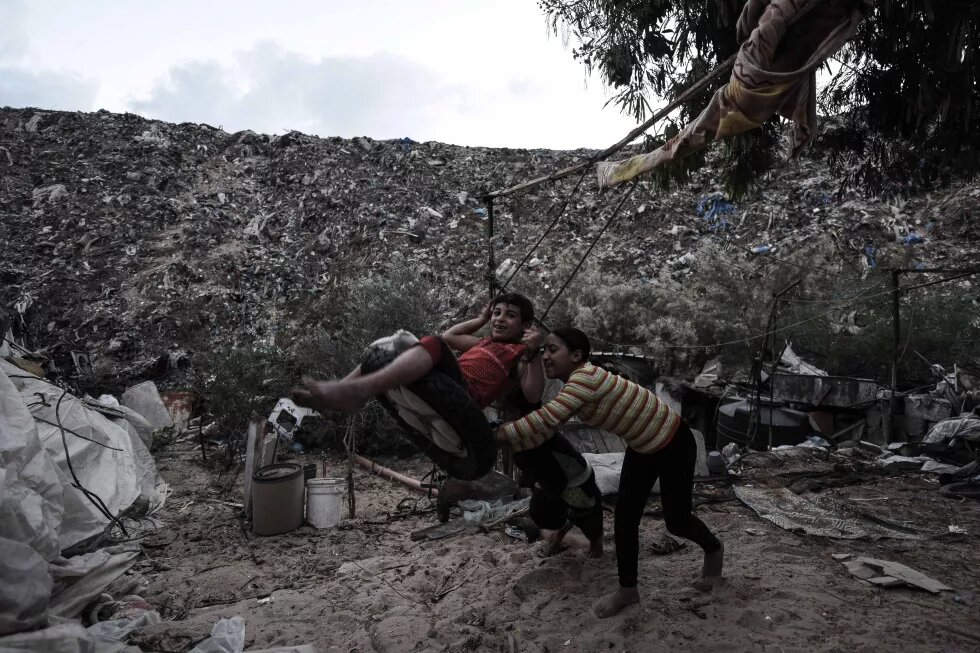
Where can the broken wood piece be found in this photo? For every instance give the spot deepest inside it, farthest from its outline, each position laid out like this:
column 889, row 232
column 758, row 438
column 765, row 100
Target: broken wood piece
column 440, row 531
column 886, row 573
column 226, row 503
column 846, row 430
column 256, row 426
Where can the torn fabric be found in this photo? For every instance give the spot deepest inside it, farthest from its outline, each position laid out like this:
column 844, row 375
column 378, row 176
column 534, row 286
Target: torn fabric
column 774, row 72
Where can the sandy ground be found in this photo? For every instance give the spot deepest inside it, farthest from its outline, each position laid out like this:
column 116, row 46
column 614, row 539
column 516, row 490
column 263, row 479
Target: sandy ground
column 367, row 587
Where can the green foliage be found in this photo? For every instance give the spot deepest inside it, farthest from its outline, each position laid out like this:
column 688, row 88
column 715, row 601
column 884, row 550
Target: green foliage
column 907, row 85
column 323, row 337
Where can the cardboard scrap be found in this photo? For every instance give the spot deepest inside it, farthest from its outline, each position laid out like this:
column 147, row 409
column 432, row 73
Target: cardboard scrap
column 886, row 573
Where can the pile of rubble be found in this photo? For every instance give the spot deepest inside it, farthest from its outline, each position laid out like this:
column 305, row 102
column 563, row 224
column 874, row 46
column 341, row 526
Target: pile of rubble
column 134, row 243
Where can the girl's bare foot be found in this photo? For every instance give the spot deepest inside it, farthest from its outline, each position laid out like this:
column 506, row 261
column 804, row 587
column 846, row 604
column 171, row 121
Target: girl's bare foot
column 711, row 571
column 713, row 563
column 612, row 604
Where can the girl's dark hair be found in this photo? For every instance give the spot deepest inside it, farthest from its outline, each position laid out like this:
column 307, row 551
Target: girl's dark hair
column 520, row 301
column 575, row 340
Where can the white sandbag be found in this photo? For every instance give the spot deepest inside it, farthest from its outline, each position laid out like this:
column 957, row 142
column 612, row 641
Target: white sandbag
column 26, row 587
column 145, row 399
column 31, row 501
column 99, row 452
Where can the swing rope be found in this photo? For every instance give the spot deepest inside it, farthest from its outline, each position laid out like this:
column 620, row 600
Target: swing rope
column 547, row 231
column 609, row 221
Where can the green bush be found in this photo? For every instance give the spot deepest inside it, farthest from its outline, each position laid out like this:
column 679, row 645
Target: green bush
column 833, row 317
column 323, row 337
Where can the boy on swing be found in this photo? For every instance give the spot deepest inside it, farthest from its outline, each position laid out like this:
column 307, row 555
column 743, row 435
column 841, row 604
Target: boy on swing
column 484, row 368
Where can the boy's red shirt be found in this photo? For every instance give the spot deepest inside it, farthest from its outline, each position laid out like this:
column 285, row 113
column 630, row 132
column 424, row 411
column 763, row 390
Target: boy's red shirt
column 486, row 367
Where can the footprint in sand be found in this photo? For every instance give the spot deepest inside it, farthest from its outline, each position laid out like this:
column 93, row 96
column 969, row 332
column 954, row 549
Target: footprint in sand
column 542, row 579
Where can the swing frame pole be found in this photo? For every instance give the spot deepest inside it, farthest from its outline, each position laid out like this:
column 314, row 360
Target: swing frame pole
column 491, row 263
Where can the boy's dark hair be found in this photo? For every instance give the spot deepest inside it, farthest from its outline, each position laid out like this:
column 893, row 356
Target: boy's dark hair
column 575, row 340
column 520, row 301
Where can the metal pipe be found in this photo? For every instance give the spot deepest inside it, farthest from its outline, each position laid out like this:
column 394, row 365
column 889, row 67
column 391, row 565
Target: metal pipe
column 491, row 264
column 384, row 472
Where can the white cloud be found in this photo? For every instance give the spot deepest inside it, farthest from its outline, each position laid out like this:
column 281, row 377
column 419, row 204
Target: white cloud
column 20, row 87
column 270, row 89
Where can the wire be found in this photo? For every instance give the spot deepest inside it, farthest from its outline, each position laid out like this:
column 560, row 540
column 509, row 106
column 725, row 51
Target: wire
column 77, row 435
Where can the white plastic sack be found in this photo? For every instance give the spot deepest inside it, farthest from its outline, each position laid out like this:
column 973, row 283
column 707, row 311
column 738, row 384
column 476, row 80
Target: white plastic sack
column 607, row 467
column 227, row 636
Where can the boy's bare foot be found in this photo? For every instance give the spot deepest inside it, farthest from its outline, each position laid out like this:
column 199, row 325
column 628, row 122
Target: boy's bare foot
column 552, row 543
column 329, row 395
column 612, row 604
column 595, row 548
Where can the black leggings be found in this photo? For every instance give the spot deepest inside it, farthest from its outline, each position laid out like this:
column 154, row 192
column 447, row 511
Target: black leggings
column 546, row 470
column 674, row 465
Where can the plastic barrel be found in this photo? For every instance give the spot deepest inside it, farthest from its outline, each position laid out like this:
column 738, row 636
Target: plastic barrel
column 277, row 499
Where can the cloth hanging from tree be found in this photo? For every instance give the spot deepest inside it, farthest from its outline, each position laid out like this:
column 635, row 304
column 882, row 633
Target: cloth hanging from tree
column 774, row 72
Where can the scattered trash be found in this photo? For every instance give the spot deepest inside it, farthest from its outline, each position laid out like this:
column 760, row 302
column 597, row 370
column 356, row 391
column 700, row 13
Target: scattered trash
column 515, row 533
column 717, row 465
column 959, row 530
column 870, row 256
column 885, row 573
column 912, row 239
column 761, row 249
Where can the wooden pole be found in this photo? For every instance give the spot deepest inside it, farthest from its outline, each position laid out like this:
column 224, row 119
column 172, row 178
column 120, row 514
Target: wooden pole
column 896, row 338
column 349, row 444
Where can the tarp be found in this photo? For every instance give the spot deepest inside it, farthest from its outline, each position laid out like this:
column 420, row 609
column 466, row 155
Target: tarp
column 774, row 72
column 107, row 460
column 45, row 434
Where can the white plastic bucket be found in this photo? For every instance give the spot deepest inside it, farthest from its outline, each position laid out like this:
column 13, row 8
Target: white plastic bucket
column 324, row 499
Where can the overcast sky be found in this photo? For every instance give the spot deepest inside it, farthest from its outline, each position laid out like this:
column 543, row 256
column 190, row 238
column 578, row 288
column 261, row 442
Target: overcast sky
column 470, row 72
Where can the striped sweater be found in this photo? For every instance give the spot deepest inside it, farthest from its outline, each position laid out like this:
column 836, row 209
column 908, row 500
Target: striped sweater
column 603, row 400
